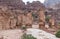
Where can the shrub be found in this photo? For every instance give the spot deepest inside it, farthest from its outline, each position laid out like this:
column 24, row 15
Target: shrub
column 59, row 23
column 25, row 36
column 47, row 19
column 58, row 34
column 23, row 27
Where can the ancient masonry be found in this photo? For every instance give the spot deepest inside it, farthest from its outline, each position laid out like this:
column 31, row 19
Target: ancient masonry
column 14, row 16
column 10, row 20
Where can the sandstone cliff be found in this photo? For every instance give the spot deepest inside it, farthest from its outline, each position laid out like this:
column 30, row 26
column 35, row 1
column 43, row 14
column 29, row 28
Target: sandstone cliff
column 13, row 16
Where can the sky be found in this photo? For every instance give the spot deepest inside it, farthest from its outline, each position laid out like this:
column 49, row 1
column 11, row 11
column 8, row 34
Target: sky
column 42, row 1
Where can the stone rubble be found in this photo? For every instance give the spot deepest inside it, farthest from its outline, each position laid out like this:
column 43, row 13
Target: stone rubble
column 40, row 34
column 16, row 34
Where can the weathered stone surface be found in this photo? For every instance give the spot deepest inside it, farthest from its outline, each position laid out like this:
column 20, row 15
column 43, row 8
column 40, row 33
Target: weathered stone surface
column 13, row 22
column 14, row 18
column 27, row 19
column 14, row 4
column 29, row 16
column 19, row 20
column 23, row 19
column 51, row 22
column 41, row 18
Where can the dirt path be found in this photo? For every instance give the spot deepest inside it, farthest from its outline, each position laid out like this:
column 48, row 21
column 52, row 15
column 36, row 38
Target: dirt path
column 11, row 34
column 14, row 34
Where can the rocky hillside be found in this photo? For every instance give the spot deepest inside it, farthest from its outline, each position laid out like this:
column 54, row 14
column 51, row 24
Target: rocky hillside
column 51, row 3
column 35, row 5
column 12, row 3
column 53, row 9
column 19, row 4
column 12, row 17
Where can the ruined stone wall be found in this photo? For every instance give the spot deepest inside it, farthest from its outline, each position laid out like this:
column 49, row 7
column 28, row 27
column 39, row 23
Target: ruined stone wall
column 41, row 19
column 16, row 13
column 4, row 20
column 51, row 22
column 54, row 13
column 11, row 20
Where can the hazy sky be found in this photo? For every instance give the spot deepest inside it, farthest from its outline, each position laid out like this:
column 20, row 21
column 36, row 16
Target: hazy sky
column 42, row 1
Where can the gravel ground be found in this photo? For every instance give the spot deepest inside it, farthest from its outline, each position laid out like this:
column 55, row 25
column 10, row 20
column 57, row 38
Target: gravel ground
column 16, row 34
column 11, row 34
column 40, row 34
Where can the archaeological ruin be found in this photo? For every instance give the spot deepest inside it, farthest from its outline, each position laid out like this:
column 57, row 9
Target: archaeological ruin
column 32, row 13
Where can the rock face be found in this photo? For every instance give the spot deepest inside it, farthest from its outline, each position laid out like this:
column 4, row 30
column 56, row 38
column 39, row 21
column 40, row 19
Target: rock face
column 35, row 5
column 41, row 19
column 55, row 13
column 6, row 19
column 51, row 22
column 12, row 3
column 15, row 18
column 53, row 9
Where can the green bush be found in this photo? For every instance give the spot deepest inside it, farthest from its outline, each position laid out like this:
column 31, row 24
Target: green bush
column 25, row 36
column 47, row 19
column 59, row 23
column 23, row 27
column 58, row 34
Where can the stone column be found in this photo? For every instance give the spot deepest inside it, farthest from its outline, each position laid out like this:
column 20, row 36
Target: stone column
column 23, row 19
column 29, row 19
column 41, row 19
column 51, row 22
column 4, row 23
column 13, row 23
column 19, row 20
column 1, row 23
column 0, row 26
